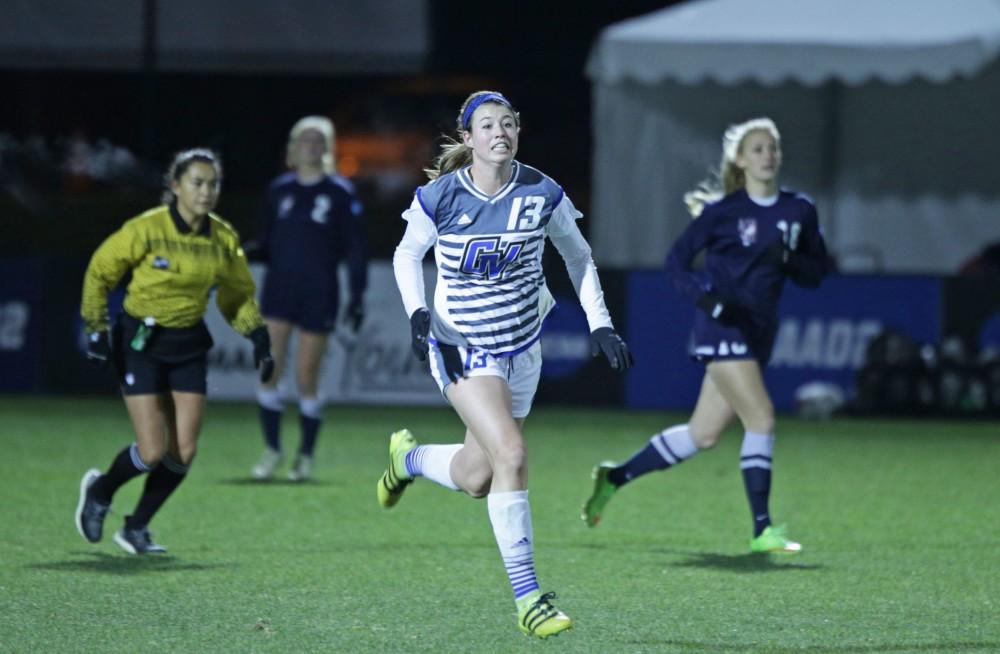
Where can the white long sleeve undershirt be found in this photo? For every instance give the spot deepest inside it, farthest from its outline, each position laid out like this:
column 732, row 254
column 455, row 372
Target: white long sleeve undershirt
column 421, row 235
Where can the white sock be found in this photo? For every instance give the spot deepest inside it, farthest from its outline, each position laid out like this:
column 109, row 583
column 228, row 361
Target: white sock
column 675, row 444
column 510, row 516
column 270, row 398
column 311, row 407
column 757, row 450
column 433, row 462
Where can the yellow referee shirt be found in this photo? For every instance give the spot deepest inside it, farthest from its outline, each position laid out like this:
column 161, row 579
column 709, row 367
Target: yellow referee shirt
column 173, row 272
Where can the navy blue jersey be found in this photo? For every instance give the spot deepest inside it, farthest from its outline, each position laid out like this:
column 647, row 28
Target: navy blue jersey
column 738, row 235
column 310, row 229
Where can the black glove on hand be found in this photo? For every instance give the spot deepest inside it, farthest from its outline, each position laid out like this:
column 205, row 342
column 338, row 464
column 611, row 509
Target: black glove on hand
column 420, row 327
column 354, row 315
column 721, row 309
column 262, row 359
column 607, row 340
column 453, row 366
column 98, row 348
column 777, row 254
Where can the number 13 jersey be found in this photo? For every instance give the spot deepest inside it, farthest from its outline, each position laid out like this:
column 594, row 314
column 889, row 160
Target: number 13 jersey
column 491, row 291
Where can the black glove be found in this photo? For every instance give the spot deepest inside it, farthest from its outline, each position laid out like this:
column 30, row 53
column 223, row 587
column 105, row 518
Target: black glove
column 354, row 315
column 453, row 366
column 98, row 349
column 777, row 254
column 719, row 308
column 607, row 340
column 255, row 252
column 420, row 327
column 262, row 359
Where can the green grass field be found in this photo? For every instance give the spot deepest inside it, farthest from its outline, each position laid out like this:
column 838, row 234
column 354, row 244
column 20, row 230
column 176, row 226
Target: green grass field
column 900, row 521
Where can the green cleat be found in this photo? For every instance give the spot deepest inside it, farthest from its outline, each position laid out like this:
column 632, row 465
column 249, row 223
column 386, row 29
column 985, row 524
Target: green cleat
column 773, row 539
column 395, row 479
column 593, row 508
column 537, row 617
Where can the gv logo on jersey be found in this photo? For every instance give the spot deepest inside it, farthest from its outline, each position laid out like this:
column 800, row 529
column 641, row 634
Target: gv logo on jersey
column 484, row 257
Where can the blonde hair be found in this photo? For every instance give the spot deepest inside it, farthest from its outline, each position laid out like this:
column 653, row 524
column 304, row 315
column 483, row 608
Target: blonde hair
column 324, row 126
column 181, row 162
column 455, row 153
column 729, row 177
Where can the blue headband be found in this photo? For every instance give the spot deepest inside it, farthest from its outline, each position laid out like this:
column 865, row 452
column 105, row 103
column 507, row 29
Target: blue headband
column 480, row 99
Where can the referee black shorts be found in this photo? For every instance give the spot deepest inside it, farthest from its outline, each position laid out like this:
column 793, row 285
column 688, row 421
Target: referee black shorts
column 172, row 359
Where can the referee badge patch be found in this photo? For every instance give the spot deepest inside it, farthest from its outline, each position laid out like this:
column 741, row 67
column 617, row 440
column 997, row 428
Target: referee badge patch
column 161, row 263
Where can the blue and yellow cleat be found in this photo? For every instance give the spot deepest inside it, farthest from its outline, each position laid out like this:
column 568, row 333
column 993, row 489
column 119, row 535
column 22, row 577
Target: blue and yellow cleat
column 395, row 479
column 537, row 617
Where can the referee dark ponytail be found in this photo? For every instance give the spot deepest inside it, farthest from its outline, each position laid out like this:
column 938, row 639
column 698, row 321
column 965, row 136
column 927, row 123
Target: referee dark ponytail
column 181, row 162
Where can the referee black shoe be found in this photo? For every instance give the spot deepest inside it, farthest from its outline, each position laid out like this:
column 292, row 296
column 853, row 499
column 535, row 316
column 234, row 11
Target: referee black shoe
column 138, row 541
column 90, row 513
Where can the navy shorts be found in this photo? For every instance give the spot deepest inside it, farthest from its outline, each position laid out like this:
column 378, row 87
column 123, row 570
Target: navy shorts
column 173, row 359
column 312, row 307
column 713, row 341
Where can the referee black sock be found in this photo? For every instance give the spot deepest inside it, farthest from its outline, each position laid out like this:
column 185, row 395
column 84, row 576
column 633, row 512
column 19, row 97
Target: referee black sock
column 127, row 464
column 161, row 482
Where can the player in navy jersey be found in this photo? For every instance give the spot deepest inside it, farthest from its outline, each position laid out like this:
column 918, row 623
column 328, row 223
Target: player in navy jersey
column 313, row 221
column 755, row 235
column 487, row 216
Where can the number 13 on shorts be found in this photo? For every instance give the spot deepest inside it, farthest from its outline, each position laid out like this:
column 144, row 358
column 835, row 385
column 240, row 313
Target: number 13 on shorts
column 475, row 358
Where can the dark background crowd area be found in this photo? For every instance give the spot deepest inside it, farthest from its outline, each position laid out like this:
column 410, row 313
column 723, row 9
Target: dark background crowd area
column 82, row 151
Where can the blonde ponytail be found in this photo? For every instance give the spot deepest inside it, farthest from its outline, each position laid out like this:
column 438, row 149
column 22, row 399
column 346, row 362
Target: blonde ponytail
column 729, row 177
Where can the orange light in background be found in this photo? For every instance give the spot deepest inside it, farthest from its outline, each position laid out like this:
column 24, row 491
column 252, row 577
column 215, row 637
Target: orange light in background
column 348, row 166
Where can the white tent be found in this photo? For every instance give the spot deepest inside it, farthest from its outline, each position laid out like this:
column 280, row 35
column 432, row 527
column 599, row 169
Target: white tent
column 888, row 111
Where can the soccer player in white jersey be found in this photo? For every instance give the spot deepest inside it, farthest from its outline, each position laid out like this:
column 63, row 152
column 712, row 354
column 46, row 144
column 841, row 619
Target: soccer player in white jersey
column 755, row 235
column 487, row 216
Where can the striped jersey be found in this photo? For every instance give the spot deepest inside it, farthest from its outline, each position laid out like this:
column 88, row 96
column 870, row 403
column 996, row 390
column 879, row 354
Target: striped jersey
column 491, row 291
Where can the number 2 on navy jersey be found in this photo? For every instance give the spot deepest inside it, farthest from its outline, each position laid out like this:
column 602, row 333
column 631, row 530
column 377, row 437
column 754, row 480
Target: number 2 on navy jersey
column 533, row 205
column 321, row 207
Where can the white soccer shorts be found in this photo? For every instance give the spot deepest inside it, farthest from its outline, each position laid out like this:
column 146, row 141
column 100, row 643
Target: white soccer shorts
column 521, row 372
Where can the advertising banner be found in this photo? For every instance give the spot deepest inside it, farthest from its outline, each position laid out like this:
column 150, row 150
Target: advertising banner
column 20, row 329
column 822, row 336
column 374, row 366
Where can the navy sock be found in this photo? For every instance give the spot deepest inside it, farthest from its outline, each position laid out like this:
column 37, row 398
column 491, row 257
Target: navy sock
column 668, row 448
column 755, row 464
column 758, row 485
column 270, row 424
column 161, row 482
column 310, row 432
column 126, row 465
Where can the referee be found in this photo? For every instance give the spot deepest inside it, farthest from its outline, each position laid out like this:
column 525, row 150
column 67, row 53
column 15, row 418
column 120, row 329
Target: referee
column 176, row 254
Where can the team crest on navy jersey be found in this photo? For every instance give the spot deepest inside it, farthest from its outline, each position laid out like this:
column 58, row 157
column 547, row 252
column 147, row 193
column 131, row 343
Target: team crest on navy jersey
column 286, row 205
column 748, row 231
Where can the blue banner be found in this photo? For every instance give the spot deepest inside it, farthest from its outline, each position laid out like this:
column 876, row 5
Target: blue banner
column 20, row 342
column 822, row 336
